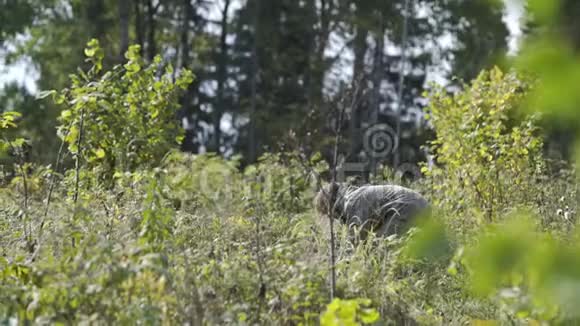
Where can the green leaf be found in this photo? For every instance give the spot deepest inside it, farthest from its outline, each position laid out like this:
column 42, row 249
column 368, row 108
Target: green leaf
column 369, row 316
column 45, row 94
column 11, row 115
column 65, row 114
column 90, row 52
column 100, row 153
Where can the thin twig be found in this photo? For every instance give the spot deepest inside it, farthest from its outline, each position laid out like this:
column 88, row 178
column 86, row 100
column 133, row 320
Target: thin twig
column 78, row 166
column 260, row 261
column 334, row 188
column 53, row 180
column 49, row 197
column 78, row 156
column 331, row 197
column 404, row 44
column 20, row 165
column 259, row 257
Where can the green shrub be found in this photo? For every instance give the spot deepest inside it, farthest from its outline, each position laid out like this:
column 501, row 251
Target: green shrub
column 122, row 119
column 488, row 156
column 10, row 147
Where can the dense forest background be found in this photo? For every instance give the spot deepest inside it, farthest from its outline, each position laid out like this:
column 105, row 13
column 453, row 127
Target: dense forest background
column 263, row 69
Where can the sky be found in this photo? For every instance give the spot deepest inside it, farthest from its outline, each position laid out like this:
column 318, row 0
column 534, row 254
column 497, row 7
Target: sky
column 24, row 73
column 21, row 72
column 513, row 16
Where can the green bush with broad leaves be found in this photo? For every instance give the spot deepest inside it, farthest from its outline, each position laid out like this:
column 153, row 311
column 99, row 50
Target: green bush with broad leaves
column 488, row 154
column 528, row 269
column 122, row 119
column 9, row 145
column 532, row 274
column 7, row 122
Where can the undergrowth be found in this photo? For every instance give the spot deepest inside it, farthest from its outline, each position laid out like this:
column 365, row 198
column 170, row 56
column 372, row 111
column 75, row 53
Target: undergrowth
column 122, row 230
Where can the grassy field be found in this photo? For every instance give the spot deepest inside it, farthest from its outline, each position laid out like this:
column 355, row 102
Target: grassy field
column 122, row 232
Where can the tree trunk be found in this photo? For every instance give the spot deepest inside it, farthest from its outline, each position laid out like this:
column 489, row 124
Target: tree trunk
column 360, row 50
column 321, row 40
column 378, row 72
column 252, row 148
column 151, row 24
column 219, row 108
column 96, row 12
column 138, row 23
column 123, row 27
column 188, row 14
column 186, row 107
column 401, row 93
